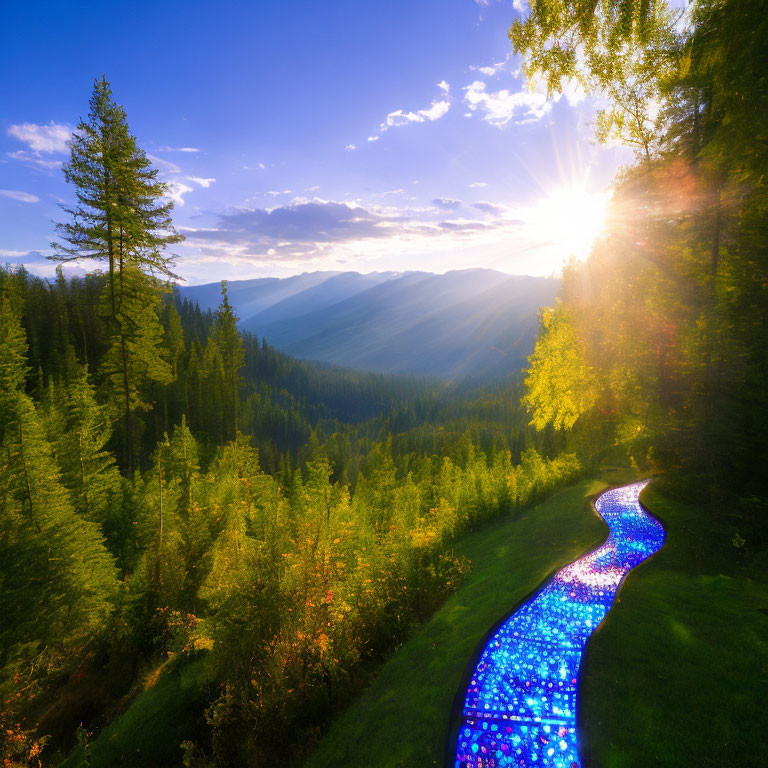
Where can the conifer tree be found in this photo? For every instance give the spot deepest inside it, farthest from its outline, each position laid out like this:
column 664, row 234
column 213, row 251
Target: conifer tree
column 232, row 351
column 121, row 218
column 88, row 469
column 54, row 562
column 136, row 356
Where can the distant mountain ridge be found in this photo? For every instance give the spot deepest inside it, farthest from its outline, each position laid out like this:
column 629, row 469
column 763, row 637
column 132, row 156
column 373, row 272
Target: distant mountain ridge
column 474, row 323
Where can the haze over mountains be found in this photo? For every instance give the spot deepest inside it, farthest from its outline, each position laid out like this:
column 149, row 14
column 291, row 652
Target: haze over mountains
column 476, row 323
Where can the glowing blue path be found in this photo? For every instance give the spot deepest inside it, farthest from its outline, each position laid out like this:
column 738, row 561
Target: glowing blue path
column 520, row 705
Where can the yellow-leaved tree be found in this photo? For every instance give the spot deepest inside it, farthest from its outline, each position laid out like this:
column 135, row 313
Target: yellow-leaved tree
column 561, row 384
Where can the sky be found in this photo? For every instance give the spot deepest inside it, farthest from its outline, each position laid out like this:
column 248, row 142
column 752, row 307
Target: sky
column 300, row 136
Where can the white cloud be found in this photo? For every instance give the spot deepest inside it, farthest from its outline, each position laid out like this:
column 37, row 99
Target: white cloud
column 164, row 166
column 437, row 108
column 176, row 191
column 478, row 184
column 501, row 107
column 434, row 112
column 325, row 234
column 178, row 149
column 49, row 139
column 491, row 69
column 21, row 197
column 201, row 181
column 31, row 157
column 52, row 138
column 350, row 147
column 520, row 5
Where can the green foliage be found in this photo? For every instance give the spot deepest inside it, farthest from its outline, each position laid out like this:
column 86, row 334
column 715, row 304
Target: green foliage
column 624, row 50
column 670, row 308
column 561, row 385
column 230, row 345
column 400, row 717
column 88, row 469
column 289, row 585
column 120, row 217
column 54, row 562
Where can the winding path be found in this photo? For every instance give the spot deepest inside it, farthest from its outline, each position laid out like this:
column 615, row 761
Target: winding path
column 520, row 703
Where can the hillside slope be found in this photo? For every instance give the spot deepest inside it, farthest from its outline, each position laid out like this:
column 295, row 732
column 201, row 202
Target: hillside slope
column 476, row 323
column 402, row 719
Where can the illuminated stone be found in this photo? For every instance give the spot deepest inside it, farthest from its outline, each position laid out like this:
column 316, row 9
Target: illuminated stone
column 520, row 705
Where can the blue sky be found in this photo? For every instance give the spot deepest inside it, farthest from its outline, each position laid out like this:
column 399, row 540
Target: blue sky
column 377, row 135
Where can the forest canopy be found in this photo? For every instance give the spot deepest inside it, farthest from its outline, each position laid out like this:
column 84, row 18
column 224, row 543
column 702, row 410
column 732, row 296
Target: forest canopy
column 666, row 320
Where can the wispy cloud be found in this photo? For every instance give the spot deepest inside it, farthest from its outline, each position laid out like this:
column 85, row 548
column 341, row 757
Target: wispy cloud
column 52, row 138
column 169, row 174
column 42, row 141
column 350, row 147
column 21, row 197
column 177, row 149
column 176, row 190
column 30, row 157
column 502, row 107
column 446, row 203
column 201, row 181
column 491, row 69
column 23, row 257
column 326, row 234
column 163, row 165
column 307, row 230
column 477, row 184
column 399, row 117
column 489, row 208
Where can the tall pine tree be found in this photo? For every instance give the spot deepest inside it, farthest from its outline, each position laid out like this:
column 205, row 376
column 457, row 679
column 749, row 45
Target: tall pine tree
column 121, row 218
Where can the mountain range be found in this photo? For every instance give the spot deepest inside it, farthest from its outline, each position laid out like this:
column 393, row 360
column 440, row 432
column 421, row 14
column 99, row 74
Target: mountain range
column 474, row 323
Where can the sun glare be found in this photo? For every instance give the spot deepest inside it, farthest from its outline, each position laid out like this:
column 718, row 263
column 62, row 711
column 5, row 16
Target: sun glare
column 569, row 220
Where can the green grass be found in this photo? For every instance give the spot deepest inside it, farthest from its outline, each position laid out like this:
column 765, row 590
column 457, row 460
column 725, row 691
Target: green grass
column 402, row 719
column 677, row 675
column 151, row 729
column 412, row 696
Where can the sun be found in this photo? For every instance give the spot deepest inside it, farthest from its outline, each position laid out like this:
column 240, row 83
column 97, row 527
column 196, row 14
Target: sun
column 568, row 221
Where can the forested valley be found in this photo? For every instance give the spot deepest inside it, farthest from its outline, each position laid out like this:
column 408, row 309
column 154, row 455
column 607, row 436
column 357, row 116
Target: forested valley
column 182, row 505
column 178, row 495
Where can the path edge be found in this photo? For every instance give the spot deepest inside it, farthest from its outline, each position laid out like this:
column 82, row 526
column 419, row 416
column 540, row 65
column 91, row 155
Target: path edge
column 585, row 757
column 449, row 760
